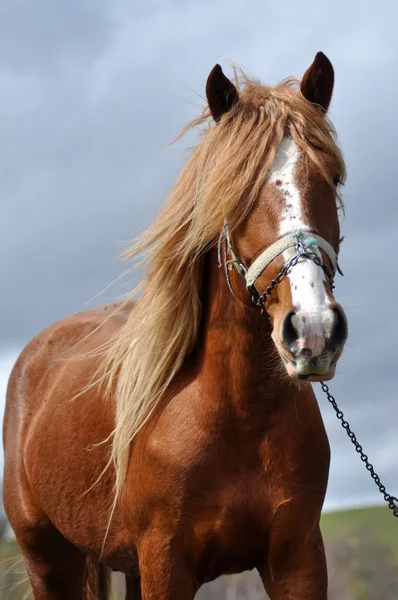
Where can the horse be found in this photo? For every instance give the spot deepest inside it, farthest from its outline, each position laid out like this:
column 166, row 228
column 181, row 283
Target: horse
column 175, row 436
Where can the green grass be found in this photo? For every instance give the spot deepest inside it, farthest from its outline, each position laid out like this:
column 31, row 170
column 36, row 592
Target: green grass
column 377, row 521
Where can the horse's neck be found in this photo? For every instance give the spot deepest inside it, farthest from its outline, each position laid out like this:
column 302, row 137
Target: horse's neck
column 238, row 357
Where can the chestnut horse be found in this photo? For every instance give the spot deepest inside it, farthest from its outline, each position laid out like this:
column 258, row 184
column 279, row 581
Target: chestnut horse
column 177, row 438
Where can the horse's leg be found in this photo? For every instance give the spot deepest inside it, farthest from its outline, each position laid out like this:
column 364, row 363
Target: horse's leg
column 164, row 575
column 297, row 571
column 97, row 580
column 103, row 583
column 133, row 588
column 54, row 566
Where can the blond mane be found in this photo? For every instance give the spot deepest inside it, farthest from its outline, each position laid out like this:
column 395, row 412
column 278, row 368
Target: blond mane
column 222, row 179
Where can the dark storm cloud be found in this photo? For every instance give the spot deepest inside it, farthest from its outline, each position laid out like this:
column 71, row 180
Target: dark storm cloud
column 91, row 94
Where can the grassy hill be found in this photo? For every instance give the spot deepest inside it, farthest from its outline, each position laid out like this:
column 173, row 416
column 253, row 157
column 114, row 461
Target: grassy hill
column 377, row 522
column 362, row 550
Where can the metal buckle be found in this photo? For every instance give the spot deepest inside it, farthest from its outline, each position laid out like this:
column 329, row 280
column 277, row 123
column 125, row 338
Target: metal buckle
column 300, row 244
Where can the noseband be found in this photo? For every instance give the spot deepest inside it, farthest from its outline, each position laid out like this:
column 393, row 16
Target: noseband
column 300, row 244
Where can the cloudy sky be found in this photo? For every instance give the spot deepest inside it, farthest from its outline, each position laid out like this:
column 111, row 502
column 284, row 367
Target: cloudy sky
column 92, row 92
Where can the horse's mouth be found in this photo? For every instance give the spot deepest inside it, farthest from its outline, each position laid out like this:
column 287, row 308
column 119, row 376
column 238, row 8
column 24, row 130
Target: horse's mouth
column 305, row 372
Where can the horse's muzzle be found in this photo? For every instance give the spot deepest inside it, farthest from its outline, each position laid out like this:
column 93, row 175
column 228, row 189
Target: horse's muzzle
column 313, row 342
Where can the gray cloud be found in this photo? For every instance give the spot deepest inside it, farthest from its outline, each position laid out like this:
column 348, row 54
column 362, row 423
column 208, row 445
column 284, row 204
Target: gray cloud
column 91, row 94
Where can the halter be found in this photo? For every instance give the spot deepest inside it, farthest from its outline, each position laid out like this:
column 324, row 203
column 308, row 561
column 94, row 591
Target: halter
column 299, row 245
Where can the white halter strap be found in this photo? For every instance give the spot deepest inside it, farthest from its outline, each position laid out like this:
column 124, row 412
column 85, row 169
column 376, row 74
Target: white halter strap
column 307, row 238
column 287, row 242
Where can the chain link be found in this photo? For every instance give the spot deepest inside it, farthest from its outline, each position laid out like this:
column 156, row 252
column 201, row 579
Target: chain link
column 391, row 500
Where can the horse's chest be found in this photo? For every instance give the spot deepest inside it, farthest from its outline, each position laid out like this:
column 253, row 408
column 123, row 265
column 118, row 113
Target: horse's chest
column 230, row 527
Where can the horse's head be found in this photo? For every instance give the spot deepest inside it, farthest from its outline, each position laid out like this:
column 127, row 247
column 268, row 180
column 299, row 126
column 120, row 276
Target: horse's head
column 293, row 222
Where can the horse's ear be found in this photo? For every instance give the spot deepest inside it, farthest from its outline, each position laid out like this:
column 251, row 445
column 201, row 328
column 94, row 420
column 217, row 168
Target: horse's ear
column 317, row 83
column 221, row 93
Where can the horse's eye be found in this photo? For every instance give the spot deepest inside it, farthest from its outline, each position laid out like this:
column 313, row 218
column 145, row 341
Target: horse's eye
column 336, row 180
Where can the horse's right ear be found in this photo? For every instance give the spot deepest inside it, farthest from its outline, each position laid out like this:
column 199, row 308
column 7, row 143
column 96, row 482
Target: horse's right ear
column 221, row 93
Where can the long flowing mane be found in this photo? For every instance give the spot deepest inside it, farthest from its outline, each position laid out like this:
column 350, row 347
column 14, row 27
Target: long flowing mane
column 222, row 179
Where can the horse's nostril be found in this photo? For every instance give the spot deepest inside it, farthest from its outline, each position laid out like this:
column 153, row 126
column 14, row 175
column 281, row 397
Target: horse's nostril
column 340, row 329
column 306, row 353
column 289, row 332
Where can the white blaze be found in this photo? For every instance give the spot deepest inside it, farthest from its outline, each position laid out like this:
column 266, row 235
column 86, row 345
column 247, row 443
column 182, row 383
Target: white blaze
column 307, row 280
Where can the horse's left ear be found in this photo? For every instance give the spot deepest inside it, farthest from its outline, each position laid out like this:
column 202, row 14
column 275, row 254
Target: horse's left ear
column 221, row 93
column 317, row 83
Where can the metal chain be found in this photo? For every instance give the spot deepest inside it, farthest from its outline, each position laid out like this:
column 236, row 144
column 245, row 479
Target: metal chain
column 302, row 252
column 392, row 501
